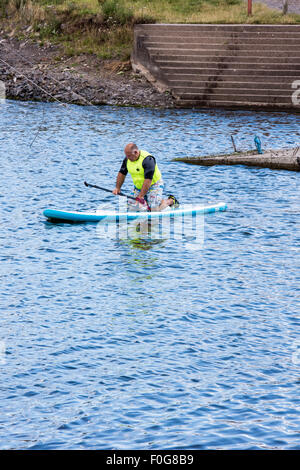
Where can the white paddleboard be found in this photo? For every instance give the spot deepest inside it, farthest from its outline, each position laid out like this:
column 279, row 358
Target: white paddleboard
column 114, row 216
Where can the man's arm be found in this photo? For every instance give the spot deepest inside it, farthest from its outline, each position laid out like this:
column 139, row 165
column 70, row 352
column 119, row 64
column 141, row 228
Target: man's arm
column 145, row 188
column 149, row 168
column 121, row 176
column 120, row 181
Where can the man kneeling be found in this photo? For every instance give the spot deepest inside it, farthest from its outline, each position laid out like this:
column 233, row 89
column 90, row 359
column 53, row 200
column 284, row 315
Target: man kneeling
column 147, row 179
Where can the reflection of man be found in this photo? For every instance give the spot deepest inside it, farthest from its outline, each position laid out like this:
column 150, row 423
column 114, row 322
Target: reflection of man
column 147, row 179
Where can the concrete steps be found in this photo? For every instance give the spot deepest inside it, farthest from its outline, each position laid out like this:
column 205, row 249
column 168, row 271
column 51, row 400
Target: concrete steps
column 209, row 58
column 198, row 71
column 238, row 41
column 226, row 35
column 212, row 78
column 214, row 45
column 235, row 87
column 222, row 65
column 165, row 29
column 237, row 97
column 236, row 66
column 275, row 54
column 233, row 92
column 233, row 105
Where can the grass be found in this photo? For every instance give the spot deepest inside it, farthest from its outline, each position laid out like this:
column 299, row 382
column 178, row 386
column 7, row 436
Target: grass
column 105, row 27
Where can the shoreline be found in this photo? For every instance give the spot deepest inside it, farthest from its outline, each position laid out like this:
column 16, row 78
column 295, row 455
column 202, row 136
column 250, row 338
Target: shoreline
column 40, row 73
column 32, row 72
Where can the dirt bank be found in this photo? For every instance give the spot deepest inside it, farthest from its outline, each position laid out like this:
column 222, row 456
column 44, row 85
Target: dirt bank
column 34, row 72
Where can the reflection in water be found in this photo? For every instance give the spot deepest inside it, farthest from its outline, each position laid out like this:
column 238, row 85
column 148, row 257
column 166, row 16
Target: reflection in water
column 141, row 235
column 143, row 243
column 145, row 233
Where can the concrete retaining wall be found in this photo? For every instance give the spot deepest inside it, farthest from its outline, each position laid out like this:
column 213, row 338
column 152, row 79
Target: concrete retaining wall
column 286, row 159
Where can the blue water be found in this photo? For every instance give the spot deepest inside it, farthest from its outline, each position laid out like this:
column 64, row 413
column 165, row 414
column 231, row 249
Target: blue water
column 138, row 344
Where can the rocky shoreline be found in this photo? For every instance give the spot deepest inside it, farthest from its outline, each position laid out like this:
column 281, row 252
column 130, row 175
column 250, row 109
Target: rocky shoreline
column 39, row 73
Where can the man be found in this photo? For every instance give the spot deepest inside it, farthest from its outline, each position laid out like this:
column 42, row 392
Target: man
column 147, row 179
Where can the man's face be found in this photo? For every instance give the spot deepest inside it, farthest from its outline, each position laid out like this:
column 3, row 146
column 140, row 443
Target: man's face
column 133, row 155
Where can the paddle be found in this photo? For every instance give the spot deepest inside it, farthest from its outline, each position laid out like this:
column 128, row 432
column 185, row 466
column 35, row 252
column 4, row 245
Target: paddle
column 119, row 194
column 107, row 190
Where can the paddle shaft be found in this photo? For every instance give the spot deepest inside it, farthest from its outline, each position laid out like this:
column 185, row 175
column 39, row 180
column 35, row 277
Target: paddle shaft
column 136, row 199
column 108, row 190
column 119, row 194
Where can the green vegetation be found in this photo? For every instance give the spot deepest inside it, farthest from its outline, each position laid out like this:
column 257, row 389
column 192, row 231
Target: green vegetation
column 105, row 27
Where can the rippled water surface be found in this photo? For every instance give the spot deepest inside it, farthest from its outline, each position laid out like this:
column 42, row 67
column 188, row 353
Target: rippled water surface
column 138, row 344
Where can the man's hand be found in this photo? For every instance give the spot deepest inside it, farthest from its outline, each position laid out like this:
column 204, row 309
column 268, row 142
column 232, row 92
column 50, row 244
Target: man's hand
column 142, row 203
column 141, row 200
column 116, row 191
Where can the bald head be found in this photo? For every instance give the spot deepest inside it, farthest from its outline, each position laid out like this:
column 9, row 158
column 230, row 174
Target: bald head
column 131, row 151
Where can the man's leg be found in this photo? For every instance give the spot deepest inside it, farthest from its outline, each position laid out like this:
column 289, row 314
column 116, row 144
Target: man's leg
column 165, row 203
column 155, row 198
column 135, row 206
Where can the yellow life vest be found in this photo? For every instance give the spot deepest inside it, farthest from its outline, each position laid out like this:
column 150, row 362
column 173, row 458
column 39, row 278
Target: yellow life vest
column 137, row 171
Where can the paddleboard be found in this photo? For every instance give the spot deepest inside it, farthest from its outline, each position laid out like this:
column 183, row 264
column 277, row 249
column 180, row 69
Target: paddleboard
column 114, row 216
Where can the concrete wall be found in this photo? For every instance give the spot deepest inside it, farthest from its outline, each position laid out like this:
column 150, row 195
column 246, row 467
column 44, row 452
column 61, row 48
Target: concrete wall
column 285, row 159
